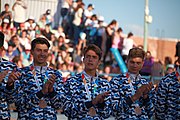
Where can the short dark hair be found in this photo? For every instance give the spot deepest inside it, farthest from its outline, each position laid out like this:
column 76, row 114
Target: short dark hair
column 136, row 52
column 94, row 48
column 6, row 5
column 1, row 39
column 39, row 40
column 130, row 34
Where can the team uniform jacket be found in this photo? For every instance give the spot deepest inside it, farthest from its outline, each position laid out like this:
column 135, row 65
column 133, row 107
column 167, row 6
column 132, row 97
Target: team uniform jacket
column 30, row 95
column 168, row 98
column 122, row 106
column 77, row 97
column 7, row 94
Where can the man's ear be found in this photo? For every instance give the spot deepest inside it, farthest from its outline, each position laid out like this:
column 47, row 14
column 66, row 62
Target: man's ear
column 99, row 62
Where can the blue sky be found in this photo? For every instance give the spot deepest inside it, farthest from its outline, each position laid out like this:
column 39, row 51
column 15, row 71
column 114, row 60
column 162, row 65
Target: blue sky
column 130, row 16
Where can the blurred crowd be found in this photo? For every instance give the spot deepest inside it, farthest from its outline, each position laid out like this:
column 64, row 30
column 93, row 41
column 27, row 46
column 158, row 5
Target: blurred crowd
column 78, row 27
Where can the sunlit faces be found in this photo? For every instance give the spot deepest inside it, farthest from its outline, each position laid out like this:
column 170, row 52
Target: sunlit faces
column 91, row 60
column 40, row 54
column 135, row 65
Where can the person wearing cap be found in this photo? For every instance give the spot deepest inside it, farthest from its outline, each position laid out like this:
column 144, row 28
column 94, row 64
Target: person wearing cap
column 5, row 26
column 168, row 95
column 41, row 88
column 131, row 93
column 30, row 23
column 88, row 12
column 169, row 69
column 49, row 18
column 8, row 75
column 87, row 93
column 26, row 55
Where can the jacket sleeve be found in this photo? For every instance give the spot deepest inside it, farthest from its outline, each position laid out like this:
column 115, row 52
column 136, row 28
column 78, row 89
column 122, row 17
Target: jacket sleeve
column 57, row 97
column 117, row 100
column 161, row 104
column 104, row 109
column 148, row 105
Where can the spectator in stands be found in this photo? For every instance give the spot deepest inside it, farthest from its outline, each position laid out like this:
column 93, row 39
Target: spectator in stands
column 26, row 55
column 128, row 44
column 47, row 32
column 19, row 8
column 18, row 46
column 87, row 93
column 77, row 58
column 89, row 11
column 101, row 33
column 64, row 71
column 13, row 31
column 107, row 71
column 60, row 32
column 110, row 29
column 42, row 22
column 49, row 18
column 3, row 53
column 37, row 32
column 8, row 74
column 10, row 53
column 148, row 64
column 6, row 14
column 168, row 94
column 24, row 39
column 82, row 41
column 167, row 61
column 30, row 23
column 65, row 9
column 117, row 40
column 169, row 69
column 20, row 29
column 131, row 93
column 5, row 26
column 77, row 22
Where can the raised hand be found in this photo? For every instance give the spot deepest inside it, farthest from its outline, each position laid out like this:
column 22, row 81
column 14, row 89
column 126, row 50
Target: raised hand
column 48, row 86
column 147, row 90
column 52, row 81
column 142, row 91
column 45, row 88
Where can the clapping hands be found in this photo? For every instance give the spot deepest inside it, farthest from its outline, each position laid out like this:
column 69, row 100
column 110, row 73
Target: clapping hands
column 48, row 86
column 14, row 75
column 142, row 91
column 100, row 98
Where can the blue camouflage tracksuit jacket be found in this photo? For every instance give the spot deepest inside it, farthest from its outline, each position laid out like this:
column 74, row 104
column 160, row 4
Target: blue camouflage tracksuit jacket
column 122, row 108
column 75, row 106
column 7, row 94
column 168, row 98
column 30, row 95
